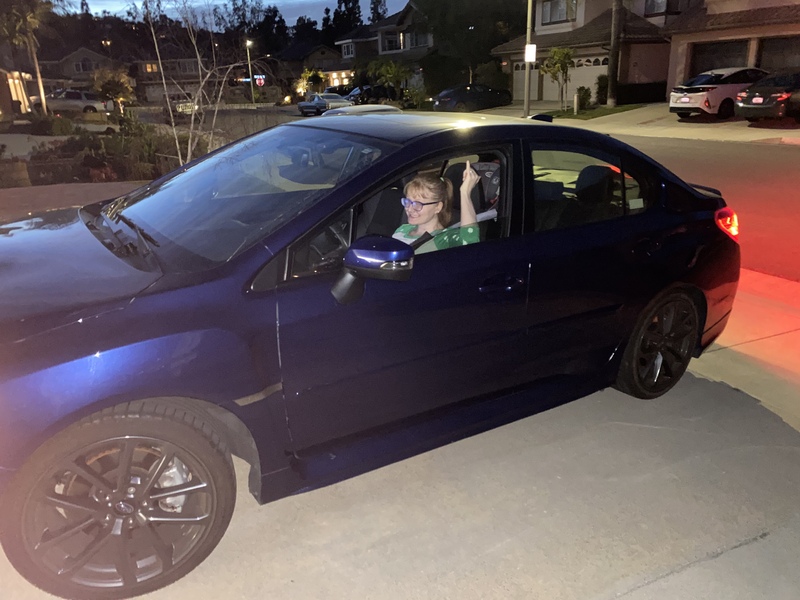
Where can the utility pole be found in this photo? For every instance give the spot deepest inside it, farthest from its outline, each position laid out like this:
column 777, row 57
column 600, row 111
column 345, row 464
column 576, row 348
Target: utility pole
column 613, row 53
column 527, row 107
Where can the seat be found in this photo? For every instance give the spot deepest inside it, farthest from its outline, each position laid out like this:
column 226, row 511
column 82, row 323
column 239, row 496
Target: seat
column 593, row 195
column 549, row 202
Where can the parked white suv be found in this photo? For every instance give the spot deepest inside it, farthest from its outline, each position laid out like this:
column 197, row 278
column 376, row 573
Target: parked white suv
column 713, row 92
column 75, row 101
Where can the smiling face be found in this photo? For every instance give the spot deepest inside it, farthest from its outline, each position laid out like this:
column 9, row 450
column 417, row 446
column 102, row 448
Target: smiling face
column 426, row 218
column 436, row 193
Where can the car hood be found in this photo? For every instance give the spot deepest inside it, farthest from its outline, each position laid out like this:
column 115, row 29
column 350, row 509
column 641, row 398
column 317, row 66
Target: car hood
column 54, row 271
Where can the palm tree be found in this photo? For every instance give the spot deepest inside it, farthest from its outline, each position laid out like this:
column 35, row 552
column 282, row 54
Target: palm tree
column 19, row 20
column 389, row 72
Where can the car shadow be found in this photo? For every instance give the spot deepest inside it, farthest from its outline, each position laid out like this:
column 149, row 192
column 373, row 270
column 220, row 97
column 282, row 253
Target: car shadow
column 783, row 124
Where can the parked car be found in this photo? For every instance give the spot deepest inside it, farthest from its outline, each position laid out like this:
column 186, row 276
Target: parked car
column 180, row 109
column 252, row 303
column 319, row 103
column 470, row 97
column 342, row 90
column 371, row 94
column 773, row 97
column 712, row 92
column 74, row 100
column 362, row 109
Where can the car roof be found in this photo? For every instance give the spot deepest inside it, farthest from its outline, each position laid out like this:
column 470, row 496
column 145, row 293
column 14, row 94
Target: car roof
column 403, row 126
column 727, row 70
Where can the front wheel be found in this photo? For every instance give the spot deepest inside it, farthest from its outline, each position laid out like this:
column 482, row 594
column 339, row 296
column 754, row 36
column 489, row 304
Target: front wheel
column 461, row 107
column 660, row 348
column 122, row 503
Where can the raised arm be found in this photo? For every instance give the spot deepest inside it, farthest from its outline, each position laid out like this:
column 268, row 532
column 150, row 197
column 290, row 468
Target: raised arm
column 468, row 181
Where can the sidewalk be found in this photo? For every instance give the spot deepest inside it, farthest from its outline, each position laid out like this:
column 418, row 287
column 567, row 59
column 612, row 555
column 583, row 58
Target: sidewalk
column 655, row 120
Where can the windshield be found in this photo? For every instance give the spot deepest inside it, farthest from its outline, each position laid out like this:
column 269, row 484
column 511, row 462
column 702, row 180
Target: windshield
column 704, row 79
column 204, row 215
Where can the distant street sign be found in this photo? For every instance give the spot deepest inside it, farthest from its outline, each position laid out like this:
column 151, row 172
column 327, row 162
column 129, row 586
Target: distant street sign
column 530, row 53
column 260, row 80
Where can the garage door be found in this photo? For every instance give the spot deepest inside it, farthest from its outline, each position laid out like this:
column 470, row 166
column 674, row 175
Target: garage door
column 718, row 55
column 777, row 53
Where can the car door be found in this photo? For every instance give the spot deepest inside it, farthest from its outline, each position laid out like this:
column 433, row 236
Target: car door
column 450, row 332
column 597, row 253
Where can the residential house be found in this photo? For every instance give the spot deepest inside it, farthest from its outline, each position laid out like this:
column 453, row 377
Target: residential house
column 75, row 70
column 13, row 94
column 182, row 76
column 316, row 57
column 585, row 26
column 401, row 37
column 727, row 33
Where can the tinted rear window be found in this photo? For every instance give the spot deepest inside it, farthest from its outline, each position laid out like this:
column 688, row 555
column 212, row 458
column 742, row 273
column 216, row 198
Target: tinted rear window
column 783, row 80
column 704, row 79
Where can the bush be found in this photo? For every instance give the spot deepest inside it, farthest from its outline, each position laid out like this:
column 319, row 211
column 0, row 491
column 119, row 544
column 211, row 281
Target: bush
column 442, row 72
column 601, row 89
column 490, row 74
column 50, row 125
column 584, row 97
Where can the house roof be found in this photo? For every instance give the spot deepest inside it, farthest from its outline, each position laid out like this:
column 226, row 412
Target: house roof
column 596, row 32
column 698, row 19
column 361, row 33
column 82, row 51
column 302, row 50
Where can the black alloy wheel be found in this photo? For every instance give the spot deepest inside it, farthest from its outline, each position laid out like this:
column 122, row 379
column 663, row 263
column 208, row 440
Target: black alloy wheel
column 120, row 504
column 661, row 347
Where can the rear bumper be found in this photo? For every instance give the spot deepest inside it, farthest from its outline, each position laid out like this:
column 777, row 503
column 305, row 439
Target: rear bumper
column 774, row 111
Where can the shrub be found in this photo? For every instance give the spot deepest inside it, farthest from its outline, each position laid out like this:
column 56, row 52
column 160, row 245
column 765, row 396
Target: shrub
column 50, row 125
column 490, row 74
column 584, row 97
column 601, row 89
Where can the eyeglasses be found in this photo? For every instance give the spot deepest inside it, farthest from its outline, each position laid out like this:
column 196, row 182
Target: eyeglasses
column 414, row 204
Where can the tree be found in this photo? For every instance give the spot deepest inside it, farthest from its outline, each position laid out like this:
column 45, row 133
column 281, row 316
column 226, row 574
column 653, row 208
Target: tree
column 19, row 20
column 346, row 16
column 557, row 66
column 377, row 10
column 112, row 84
column 389, row 72
column 305, row 30
column 469, row 29
column 613, row 52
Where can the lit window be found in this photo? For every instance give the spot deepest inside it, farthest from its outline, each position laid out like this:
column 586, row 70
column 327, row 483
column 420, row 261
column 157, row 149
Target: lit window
column 558, row 11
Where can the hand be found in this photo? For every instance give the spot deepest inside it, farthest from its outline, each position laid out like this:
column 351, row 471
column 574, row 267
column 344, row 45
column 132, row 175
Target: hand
column 469, row 179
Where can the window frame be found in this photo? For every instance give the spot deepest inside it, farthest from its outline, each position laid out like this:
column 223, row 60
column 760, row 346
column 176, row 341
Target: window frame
column 567, row 19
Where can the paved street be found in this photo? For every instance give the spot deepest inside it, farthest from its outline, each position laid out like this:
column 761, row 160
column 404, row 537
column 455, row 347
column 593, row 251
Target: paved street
column 692, row 496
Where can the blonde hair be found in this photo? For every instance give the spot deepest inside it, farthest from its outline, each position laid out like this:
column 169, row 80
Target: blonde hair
column 437, row 189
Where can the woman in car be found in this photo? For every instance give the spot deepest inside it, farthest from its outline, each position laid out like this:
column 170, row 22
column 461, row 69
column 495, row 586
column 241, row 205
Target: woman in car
column 428, row 203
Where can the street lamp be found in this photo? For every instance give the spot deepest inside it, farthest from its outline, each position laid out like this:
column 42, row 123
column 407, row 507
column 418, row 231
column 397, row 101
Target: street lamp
column 247, row 45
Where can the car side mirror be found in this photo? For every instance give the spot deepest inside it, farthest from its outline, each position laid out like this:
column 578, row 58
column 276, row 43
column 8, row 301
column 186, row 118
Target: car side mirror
column 372, row 257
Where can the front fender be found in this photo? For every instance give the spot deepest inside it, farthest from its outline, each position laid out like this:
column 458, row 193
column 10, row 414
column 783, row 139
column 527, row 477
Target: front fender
column 214, row 365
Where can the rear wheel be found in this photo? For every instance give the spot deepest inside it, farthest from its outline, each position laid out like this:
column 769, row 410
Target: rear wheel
column 120, row 504
column 725, row 109
column 460, row 107
column 89, row 109
column 751, row 119
column 660, row 348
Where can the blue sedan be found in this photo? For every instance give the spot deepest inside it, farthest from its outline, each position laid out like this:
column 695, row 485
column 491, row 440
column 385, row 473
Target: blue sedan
column 254, row 303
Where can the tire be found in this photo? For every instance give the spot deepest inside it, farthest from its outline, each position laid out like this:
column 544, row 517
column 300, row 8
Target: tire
column 98, row 503
column 684, row 115
column 752, row 119
column 89, row 109
column 660, row 348
column 460, row 107
column 725, row 110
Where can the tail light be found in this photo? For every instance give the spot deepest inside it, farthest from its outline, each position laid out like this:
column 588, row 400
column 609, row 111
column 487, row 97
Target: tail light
column 707, row 103
column 741, row 96
column 444, row 99
column 727, row 220
column 781, row 96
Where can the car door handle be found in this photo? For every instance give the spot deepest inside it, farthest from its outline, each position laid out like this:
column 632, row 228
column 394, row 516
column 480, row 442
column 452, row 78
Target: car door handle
column 501, row 283
column 646, row 248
